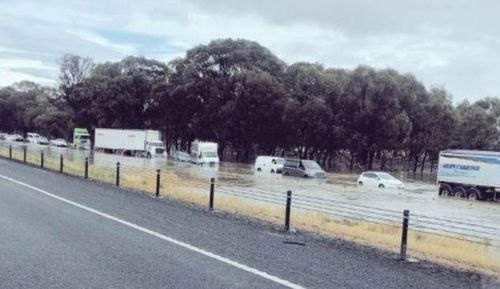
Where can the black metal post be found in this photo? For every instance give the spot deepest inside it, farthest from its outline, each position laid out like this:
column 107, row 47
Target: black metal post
column 287, row 210
column 24, row 154
column 86, row 172
column 118, row 173
column 157, row 183
column 41, row 159
column 61, row 164
column 10, row 151
column 212, row 190
column 404, row 234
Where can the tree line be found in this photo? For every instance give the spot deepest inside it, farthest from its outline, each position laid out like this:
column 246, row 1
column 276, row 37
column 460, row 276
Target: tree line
column 240, row 95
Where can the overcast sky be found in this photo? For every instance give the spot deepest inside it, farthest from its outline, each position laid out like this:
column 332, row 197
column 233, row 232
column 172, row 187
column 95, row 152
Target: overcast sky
column 455, row 43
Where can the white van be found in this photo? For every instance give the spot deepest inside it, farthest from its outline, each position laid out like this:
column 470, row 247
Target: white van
column 269, row 164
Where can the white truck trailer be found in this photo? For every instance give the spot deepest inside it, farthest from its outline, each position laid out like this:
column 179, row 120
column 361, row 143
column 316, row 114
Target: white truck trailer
column 132, row 142
column 204, row 153
column 469, row 174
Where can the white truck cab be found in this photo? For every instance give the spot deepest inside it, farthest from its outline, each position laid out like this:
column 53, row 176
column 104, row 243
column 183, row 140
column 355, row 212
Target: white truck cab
column 155, row 148
column 32, row 137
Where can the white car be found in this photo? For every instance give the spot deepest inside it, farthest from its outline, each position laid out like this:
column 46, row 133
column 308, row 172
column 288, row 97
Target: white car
column 34, row 138
column 181, row 156
column 43, row 141
column 16, row 138
column 58, row 142
column 379, row 180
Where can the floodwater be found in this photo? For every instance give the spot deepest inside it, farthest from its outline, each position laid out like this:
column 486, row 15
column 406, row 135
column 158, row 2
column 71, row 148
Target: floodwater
column 420, row 195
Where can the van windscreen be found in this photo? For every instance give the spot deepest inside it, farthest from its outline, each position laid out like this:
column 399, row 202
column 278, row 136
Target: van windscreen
column 209, row 154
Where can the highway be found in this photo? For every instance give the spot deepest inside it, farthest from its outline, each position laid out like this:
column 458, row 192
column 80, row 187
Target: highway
column 63, row 232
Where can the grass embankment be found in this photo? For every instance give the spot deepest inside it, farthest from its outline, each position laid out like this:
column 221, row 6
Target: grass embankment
column 421, row 245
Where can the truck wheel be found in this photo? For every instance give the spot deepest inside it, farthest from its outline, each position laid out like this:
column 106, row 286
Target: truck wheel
column 496, row 197
column 259, row 169
column 381, row 186
column 459, row 192
column 445, row 190
column 473, row 194
column 272, row 171
column 360, row 184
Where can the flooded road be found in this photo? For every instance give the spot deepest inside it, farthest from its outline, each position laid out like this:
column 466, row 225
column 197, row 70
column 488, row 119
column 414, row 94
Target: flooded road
column 419, row 196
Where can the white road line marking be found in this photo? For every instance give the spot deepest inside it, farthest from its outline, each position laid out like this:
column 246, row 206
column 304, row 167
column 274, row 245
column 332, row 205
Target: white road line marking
column 163, row 237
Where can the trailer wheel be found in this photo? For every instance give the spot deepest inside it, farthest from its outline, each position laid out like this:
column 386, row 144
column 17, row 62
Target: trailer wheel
column 459, row 192
column 473, row 194
column 445, row 190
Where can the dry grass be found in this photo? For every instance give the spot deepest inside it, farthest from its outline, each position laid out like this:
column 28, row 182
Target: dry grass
column 421, row 245
column 427, row 246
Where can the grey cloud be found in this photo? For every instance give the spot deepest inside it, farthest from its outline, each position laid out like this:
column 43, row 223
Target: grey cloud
column 451, row 43
column 38, row 72
column 367, row 17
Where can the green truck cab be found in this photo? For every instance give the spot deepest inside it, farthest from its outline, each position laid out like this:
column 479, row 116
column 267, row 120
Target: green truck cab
column 81, row 139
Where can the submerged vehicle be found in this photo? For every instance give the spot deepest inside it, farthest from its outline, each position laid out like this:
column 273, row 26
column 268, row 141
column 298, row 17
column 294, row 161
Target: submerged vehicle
column 181, row 156
column 16, row 138
column 32, row 137
column 269, row 164
column 58, row 142
column 132, row 142
column 81, row 139
column 379, row 180
column 204, row 153
column 303, row 168
column 469, row 174
column 35, row 138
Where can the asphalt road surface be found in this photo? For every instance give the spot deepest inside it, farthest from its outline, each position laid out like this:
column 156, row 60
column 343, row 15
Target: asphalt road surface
column 62, row 232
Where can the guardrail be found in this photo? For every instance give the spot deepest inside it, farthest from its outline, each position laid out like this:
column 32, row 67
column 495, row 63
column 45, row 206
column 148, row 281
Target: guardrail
column 219, row 195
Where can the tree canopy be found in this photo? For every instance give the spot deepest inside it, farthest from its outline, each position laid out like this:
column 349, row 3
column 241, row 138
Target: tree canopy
column 239, row 94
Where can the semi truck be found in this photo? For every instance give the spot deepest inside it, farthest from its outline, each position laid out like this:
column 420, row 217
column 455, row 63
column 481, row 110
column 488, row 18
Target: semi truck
column 204, row 153
column 131, row 142
column 469, row 174
column 81, row 139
